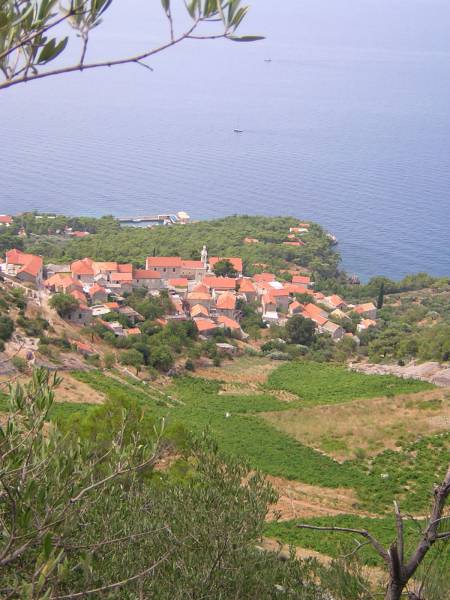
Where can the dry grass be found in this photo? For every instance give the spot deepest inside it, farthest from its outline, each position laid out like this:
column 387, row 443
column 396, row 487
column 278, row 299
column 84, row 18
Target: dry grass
column 298, row 500
column 72, row 390
column 244, row 369
column 372, row 425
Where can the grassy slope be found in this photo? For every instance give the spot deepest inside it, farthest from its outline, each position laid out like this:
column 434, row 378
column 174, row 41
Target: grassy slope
column 318, row 384
column 197, row 404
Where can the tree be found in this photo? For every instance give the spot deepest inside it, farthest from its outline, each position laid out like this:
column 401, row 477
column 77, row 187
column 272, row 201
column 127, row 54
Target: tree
column 300, row 330
column 224, row 268
column 401, row 568
column 6, row 327
column 84, row 513
column 64, row 304
column 132, row 358
column 30, row 38
column 380, row 300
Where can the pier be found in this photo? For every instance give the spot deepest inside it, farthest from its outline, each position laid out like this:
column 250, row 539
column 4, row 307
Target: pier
column 180, row 217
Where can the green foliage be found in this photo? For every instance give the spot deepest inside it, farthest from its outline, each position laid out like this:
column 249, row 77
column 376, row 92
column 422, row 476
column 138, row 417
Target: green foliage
column 64, row 304
column 109, row 360
column 132, row 358
column 380, row 300
column 19, row 363
column 102, row 517
column 222, row 236
column 300, row 330
column 224, row 268
column 6, row 327
column 234, row 421
column 328, row 384
column 336, row 544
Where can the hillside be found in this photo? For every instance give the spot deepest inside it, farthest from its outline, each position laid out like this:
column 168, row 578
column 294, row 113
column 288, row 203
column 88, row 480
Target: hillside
column 337, row 445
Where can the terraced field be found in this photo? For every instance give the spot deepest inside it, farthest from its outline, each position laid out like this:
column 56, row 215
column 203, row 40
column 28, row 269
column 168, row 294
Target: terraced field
column 369, row 438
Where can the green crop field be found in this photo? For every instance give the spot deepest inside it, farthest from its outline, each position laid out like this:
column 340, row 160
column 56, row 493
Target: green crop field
column 317, row 383
column 407, row 474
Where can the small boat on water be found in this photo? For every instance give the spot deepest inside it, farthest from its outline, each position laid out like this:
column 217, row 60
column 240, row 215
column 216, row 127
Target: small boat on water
column 267, row 60
column 238, row 130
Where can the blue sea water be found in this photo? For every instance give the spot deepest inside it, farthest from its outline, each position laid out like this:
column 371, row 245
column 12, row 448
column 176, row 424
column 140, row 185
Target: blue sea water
column 348, row 125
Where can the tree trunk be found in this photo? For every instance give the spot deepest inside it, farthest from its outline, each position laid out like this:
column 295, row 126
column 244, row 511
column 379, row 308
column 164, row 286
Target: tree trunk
column 394, row 590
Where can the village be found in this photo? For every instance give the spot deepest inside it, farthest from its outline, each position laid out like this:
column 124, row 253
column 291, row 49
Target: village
column 208, row 292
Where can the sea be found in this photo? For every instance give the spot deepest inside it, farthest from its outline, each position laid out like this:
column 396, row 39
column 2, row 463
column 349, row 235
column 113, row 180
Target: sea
column 344, row 109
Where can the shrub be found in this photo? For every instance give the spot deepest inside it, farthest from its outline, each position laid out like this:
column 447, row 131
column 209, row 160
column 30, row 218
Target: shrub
column 19, row 363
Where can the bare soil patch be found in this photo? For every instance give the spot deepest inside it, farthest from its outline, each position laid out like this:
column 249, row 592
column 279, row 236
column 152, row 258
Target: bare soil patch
column 241, row 370
column 300, row 500
column 72, row 390
column 370, row 425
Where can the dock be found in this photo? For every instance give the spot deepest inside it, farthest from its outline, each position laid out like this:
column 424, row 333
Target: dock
column 180, row 217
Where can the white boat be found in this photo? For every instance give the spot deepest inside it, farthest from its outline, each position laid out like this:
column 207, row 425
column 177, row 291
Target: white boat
column 267, row 60
column 238, row 130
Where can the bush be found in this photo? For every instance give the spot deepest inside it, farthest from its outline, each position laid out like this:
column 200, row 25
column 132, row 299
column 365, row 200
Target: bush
column 109, row 360
column 6, row 327
column 19, row 363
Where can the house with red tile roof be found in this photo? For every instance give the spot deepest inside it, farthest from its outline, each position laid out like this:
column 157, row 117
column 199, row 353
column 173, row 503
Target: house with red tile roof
column 303, row 279
column 79, row 295
column 366, row 324
column 334, row 301
column 199, row 311
column 179, row 284
column 295, row 308
column 194, row 270
column 26, row 267
column 367, row 310
column 297, row 243
column 226, row 304
column 207, row 327
column 268, row 304
column 132, row 331
column 219, row 285
column 200, row 294
column 5, row 220
column 316, row 314
column 120, row 282
column 97, row 294
column 264, row 277
column 84, row 349
column 232, row 325
column 83, row 270
column 147, row 278
column 63, row 284
column 297, row 288
column 281, row 297
column 234, row 260
column 336, row 331
column 169, row 267
column 247, row 289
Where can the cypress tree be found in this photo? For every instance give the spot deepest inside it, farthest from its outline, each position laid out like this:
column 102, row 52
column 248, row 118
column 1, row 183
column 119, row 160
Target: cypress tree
column 380, row 300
